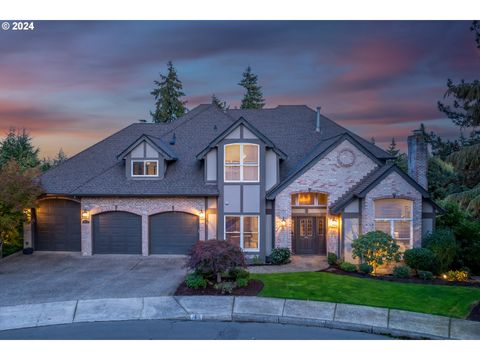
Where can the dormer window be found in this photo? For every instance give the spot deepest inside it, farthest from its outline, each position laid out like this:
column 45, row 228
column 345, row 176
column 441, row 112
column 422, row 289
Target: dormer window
column 241, row 163
column 144, row 167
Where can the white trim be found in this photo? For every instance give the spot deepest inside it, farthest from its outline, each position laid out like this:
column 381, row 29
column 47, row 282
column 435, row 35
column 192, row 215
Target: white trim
column 241, row 230
column 144, row 165
column 393, row 220
column 241, row 165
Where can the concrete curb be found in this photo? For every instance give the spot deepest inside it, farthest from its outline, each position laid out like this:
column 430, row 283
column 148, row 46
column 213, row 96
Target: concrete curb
column 241, row 308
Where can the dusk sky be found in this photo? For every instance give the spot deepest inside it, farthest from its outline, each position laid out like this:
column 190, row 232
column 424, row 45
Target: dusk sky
column 70, row 84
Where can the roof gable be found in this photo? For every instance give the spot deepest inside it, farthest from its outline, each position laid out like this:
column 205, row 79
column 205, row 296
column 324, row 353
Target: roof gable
column 156, row 143
column 317, row 154
column 241, row 122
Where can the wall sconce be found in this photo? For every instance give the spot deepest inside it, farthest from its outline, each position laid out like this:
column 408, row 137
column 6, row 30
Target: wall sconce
column 333, row 223
column 28, row 214
column 85, row 216
column 283, row 222
column 202, row 214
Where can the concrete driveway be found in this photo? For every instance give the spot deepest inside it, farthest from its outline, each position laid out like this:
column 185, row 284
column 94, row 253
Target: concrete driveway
column 47, row 276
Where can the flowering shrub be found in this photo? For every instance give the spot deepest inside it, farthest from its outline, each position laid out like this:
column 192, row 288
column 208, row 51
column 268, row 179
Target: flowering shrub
column 375, row 248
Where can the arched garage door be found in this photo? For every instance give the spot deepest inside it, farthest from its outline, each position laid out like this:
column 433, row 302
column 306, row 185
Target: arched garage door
column 57, row 225
column 173, row 233
column 117, row 232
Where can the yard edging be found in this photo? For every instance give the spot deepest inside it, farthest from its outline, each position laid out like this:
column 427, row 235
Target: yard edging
column 245, row 309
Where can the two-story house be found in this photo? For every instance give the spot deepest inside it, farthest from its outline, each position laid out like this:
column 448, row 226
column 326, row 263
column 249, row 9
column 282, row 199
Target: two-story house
column 281, row 177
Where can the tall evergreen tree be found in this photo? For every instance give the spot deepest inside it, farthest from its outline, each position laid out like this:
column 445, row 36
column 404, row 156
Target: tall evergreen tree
column 47, row 163
column 392, row 148
column 222, row 105
column 253, row 98
column 168, row 97
column 18, row 146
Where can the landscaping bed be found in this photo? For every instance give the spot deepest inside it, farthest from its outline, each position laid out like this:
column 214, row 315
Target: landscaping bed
column 411, row 280
column 252, row 289
column 453, row 301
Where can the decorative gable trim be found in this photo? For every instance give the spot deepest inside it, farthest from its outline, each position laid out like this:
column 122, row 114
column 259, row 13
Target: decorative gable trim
column 251, row 128
column 156, row 143
column 320, row 152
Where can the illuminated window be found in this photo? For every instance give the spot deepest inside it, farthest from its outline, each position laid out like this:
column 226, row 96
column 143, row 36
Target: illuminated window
column 309, row 199
column 241, row 163
column 144, row 167
column 394, row 217
column 242, row 231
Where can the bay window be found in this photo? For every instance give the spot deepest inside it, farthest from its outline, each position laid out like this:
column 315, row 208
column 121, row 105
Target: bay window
column 394, row 217
column 242, row 230
column 241, row 163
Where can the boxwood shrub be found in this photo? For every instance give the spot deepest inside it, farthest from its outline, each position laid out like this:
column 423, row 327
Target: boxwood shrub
column 348, row 267
column 280, row 256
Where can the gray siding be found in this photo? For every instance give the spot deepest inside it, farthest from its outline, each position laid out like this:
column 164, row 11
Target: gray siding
column 232, row 202
column 211, row 166
column 144, row 152
column 251, row 198
column 271, row 169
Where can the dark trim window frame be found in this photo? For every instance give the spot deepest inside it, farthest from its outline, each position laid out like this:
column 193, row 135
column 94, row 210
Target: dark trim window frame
column 145, row 169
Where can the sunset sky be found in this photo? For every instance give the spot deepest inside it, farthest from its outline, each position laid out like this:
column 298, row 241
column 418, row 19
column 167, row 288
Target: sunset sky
column 70, row 84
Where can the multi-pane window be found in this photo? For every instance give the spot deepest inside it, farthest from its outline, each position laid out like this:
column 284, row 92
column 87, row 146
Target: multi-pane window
column 242, row 230
column 394, row 217
column 144, row 168
column 241, row 163
column 309, row 199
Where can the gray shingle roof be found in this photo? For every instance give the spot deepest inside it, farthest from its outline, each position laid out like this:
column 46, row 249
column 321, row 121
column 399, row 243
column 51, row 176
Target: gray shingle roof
column 97, row 171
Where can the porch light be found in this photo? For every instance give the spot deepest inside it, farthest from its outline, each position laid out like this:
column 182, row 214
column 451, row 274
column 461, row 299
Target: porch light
column 283, row 222
column 28, row 214
column 202, row 214
column 85, row 216
column 333, row 223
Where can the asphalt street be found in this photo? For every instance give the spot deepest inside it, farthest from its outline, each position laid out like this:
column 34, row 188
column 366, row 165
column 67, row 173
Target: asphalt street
column 182, row 330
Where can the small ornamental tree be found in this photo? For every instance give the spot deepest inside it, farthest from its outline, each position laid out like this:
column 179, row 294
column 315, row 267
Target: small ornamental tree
column 211, row 258
column 375, row 248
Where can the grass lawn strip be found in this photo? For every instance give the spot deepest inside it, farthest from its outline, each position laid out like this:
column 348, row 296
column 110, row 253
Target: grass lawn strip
column 450, row 301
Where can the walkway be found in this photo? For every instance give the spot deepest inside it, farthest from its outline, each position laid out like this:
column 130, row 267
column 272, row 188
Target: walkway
column 299, row 263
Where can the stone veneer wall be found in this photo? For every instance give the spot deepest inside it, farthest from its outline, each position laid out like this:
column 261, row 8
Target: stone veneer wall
column 326, row 176
column 393, row 184
column 141, row 206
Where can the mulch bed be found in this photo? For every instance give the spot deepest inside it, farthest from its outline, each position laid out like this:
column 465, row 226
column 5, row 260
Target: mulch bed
column 475, row 313
column 252, row 289
column 412, row 280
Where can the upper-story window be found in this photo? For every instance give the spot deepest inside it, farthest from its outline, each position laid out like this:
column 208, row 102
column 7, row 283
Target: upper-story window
column 144, row 167
column 394, row 216
column 241, row 163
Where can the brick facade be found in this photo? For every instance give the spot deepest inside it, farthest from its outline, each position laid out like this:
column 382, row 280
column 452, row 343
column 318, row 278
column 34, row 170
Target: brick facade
column 140, row 206
column 326, row 176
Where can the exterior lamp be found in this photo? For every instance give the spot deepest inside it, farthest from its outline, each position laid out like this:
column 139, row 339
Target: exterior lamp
column 85, row 216
column 28, row 215
column 283, row 222
column 333, row 222
column 202, row 214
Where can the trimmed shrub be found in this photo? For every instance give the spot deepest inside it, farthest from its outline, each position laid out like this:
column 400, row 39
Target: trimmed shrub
column 425, row 275
column 242, row 282
column 375, row 248
column 402, row 272
column 456, row 275
column 442, row 243
column 280, row 256
column 239, row 273
column 211, row 258
column 332, row 258
column 226, row 287
column 419, row 259
column 348, row 267
column 365, row 268
column 195, row 281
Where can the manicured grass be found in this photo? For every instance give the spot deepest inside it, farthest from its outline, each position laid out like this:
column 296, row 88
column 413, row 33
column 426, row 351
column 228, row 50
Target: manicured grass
column 454, row 301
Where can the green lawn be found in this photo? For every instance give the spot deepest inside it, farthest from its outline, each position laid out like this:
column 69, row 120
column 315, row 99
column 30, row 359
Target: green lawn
column 454, row 301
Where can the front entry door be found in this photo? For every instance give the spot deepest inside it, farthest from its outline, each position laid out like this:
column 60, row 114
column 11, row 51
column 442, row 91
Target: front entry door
column 309, row 235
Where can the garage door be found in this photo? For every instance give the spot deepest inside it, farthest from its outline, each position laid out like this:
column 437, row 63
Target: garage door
column 173, row 233
column 57, row 225
column 117, row 232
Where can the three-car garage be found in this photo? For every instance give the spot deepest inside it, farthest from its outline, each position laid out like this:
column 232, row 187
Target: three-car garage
column 58, row 228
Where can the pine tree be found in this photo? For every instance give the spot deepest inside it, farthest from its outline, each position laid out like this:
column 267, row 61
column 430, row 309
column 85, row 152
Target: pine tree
column 222, row 105
column 168, row 97
column 392, row 149
column 253, row 98
column 18, row 146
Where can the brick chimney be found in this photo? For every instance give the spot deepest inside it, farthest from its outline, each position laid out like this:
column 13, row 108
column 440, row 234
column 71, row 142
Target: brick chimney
column 418, row 158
